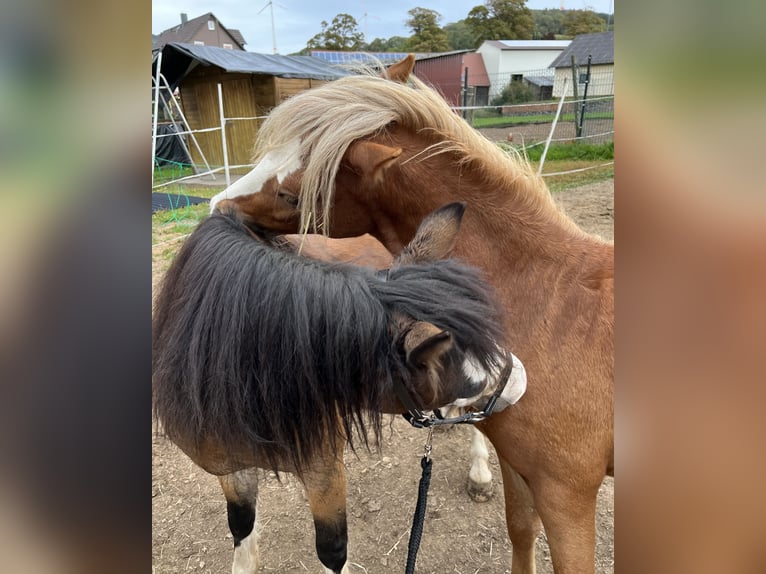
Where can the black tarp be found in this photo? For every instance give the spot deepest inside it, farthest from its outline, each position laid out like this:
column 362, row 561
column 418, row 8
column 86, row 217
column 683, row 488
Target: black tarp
column 170, row 148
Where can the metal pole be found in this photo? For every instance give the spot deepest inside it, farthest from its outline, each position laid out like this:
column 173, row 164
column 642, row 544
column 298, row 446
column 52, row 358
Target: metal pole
column 575, row 81
column 188, row 128
column 273, row 32
column 177, row 129
column 553, row 128
column 465, row 92
column 223, row 137
column 156, row 110
column 585, row 94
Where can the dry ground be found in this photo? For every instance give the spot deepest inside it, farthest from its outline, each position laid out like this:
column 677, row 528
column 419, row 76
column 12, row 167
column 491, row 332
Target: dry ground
column 189, row 517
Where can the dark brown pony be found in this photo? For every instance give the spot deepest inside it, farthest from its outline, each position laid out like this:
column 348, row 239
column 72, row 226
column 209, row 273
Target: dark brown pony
column 266, row 359
column 376, row 155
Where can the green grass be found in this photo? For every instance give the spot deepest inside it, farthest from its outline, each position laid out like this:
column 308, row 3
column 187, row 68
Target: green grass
column 169, row 172
column 567, row 181
column 168, row 227
column 573, row 151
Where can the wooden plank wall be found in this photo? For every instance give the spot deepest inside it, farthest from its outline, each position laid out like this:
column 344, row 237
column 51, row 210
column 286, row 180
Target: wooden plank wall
column 244, row 95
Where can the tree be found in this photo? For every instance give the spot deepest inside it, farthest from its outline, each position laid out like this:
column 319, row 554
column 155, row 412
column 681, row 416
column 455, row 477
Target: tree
column 548, row 23
column 427, row 36
column 459, row 36
column 393, row 44
column 578, row 22
column 501, row 20
column 342, row 34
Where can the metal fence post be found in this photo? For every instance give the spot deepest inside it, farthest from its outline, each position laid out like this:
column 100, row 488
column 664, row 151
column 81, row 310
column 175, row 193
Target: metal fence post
column 223, row 137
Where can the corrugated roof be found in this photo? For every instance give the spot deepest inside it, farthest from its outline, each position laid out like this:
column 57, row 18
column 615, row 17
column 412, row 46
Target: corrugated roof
column 540, row 79
column 599, row 46
column 180, row 59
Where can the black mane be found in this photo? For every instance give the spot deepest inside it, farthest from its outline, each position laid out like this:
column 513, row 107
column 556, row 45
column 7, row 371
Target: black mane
column 264, row 349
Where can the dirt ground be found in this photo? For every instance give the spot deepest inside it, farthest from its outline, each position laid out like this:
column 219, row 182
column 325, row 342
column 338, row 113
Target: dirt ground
column 189, row 528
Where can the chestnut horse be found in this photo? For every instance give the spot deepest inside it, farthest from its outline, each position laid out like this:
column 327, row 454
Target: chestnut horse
column 375, row 155
column 266, row 359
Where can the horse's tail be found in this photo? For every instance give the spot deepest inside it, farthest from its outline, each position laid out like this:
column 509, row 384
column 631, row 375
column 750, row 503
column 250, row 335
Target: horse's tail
column 259, row 349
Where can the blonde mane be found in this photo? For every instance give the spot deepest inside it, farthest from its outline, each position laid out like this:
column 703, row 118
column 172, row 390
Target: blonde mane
column 327, row 119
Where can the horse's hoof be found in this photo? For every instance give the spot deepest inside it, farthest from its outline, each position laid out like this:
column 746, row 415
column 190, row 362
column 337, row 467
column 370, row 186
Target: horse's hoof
column 479, row 491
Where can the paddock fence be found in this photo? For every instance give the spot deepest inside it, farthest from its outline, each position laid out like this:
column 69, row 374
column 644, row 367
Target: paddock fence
column 541, row 119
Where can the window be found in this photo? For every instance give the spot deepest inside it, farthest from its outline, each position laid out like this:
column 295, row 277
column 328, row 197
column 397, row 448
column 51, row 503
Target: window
column 211, row 24
column 199, row 43
column 228, row 47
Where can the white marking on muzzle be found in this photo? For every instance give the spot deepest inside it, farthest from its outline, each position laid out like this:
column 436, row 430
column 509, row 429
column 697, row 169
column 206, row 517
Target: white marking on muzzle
column 514, row 388
column 280, row 163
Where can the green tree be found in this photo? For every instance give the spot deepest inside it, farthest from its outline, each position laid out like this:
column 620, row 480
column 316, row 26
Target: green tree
column 342, row 34
column 392, row 44
column 578, row 22
column 549, row 23
column 427, row 36
column 459, row 36
column 501, row 20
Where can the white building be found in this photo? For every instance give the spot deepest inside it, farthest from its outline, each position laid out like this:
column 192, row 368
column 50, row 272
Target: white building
column 507, row 60
column 600, row 48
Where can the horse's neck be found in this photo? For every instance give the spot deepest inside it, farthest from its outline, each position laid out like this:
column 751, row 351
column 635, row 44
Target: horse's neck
column 543, row 266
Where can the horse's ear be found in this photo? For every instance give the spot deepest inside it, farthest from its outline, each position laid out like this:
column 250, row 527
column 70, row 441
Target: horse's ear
column 400, row 72
column 366, row 157
column 425, row 344
column 436, row 236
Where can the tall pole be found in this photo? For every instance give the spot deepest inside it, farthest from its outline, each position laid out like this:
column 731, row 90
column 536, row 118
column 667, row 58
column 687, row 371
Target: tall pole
column 273, row 32
column 465, row 92
column 584, row 96
column 576, row 97
column 553, row 127
column 223, row 137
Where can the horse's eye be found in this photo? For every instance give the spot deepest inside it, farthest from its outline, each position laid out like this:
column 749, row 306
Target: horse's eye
column 288, row 198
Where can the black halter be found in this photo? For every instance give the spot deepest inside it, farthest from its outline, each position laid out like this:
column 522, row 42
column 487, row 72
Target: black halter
column 415, row 415
column 417, row 418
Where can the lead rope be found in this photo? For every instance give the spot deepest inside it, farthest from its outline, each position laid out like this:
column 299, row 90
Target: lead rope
column 416, row 532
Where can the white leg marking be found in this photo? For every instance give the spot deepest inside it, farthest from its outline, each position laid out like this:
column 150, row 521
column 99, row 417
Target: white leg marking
column 280, row 163
column 479, row 473
column 246, row 557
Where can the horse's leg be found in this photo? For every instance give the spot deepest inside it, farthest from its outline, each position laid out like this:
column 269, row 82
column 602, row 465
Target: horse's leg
column 569, row 517
column 326, row 490
column 241, row 491
column 521, row 519
column 479, row 476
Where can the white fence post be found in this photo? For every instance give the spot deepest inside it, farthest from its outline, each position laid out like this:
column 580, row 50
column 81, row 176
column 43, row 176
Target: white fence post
column 553, row 128
column 223, row 137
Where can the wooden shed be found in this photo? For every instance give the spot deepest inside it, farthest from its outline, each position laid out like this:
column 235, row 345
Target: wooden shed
column 447, row 73
column 252, row 84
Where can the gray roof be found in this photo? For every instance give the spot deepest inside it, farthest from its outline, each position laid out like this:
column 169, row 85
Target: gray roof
column 599, row 46
column 180, row 59
column 540, row 79
column 527, row 44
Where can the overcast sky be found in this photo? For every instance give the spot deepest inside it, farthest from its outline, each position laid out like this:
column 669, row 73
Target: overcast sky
column 297, row 21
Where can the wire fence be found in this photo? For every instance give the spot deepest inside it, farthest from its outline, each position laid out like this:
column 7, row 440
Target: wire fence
column 558, row 106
